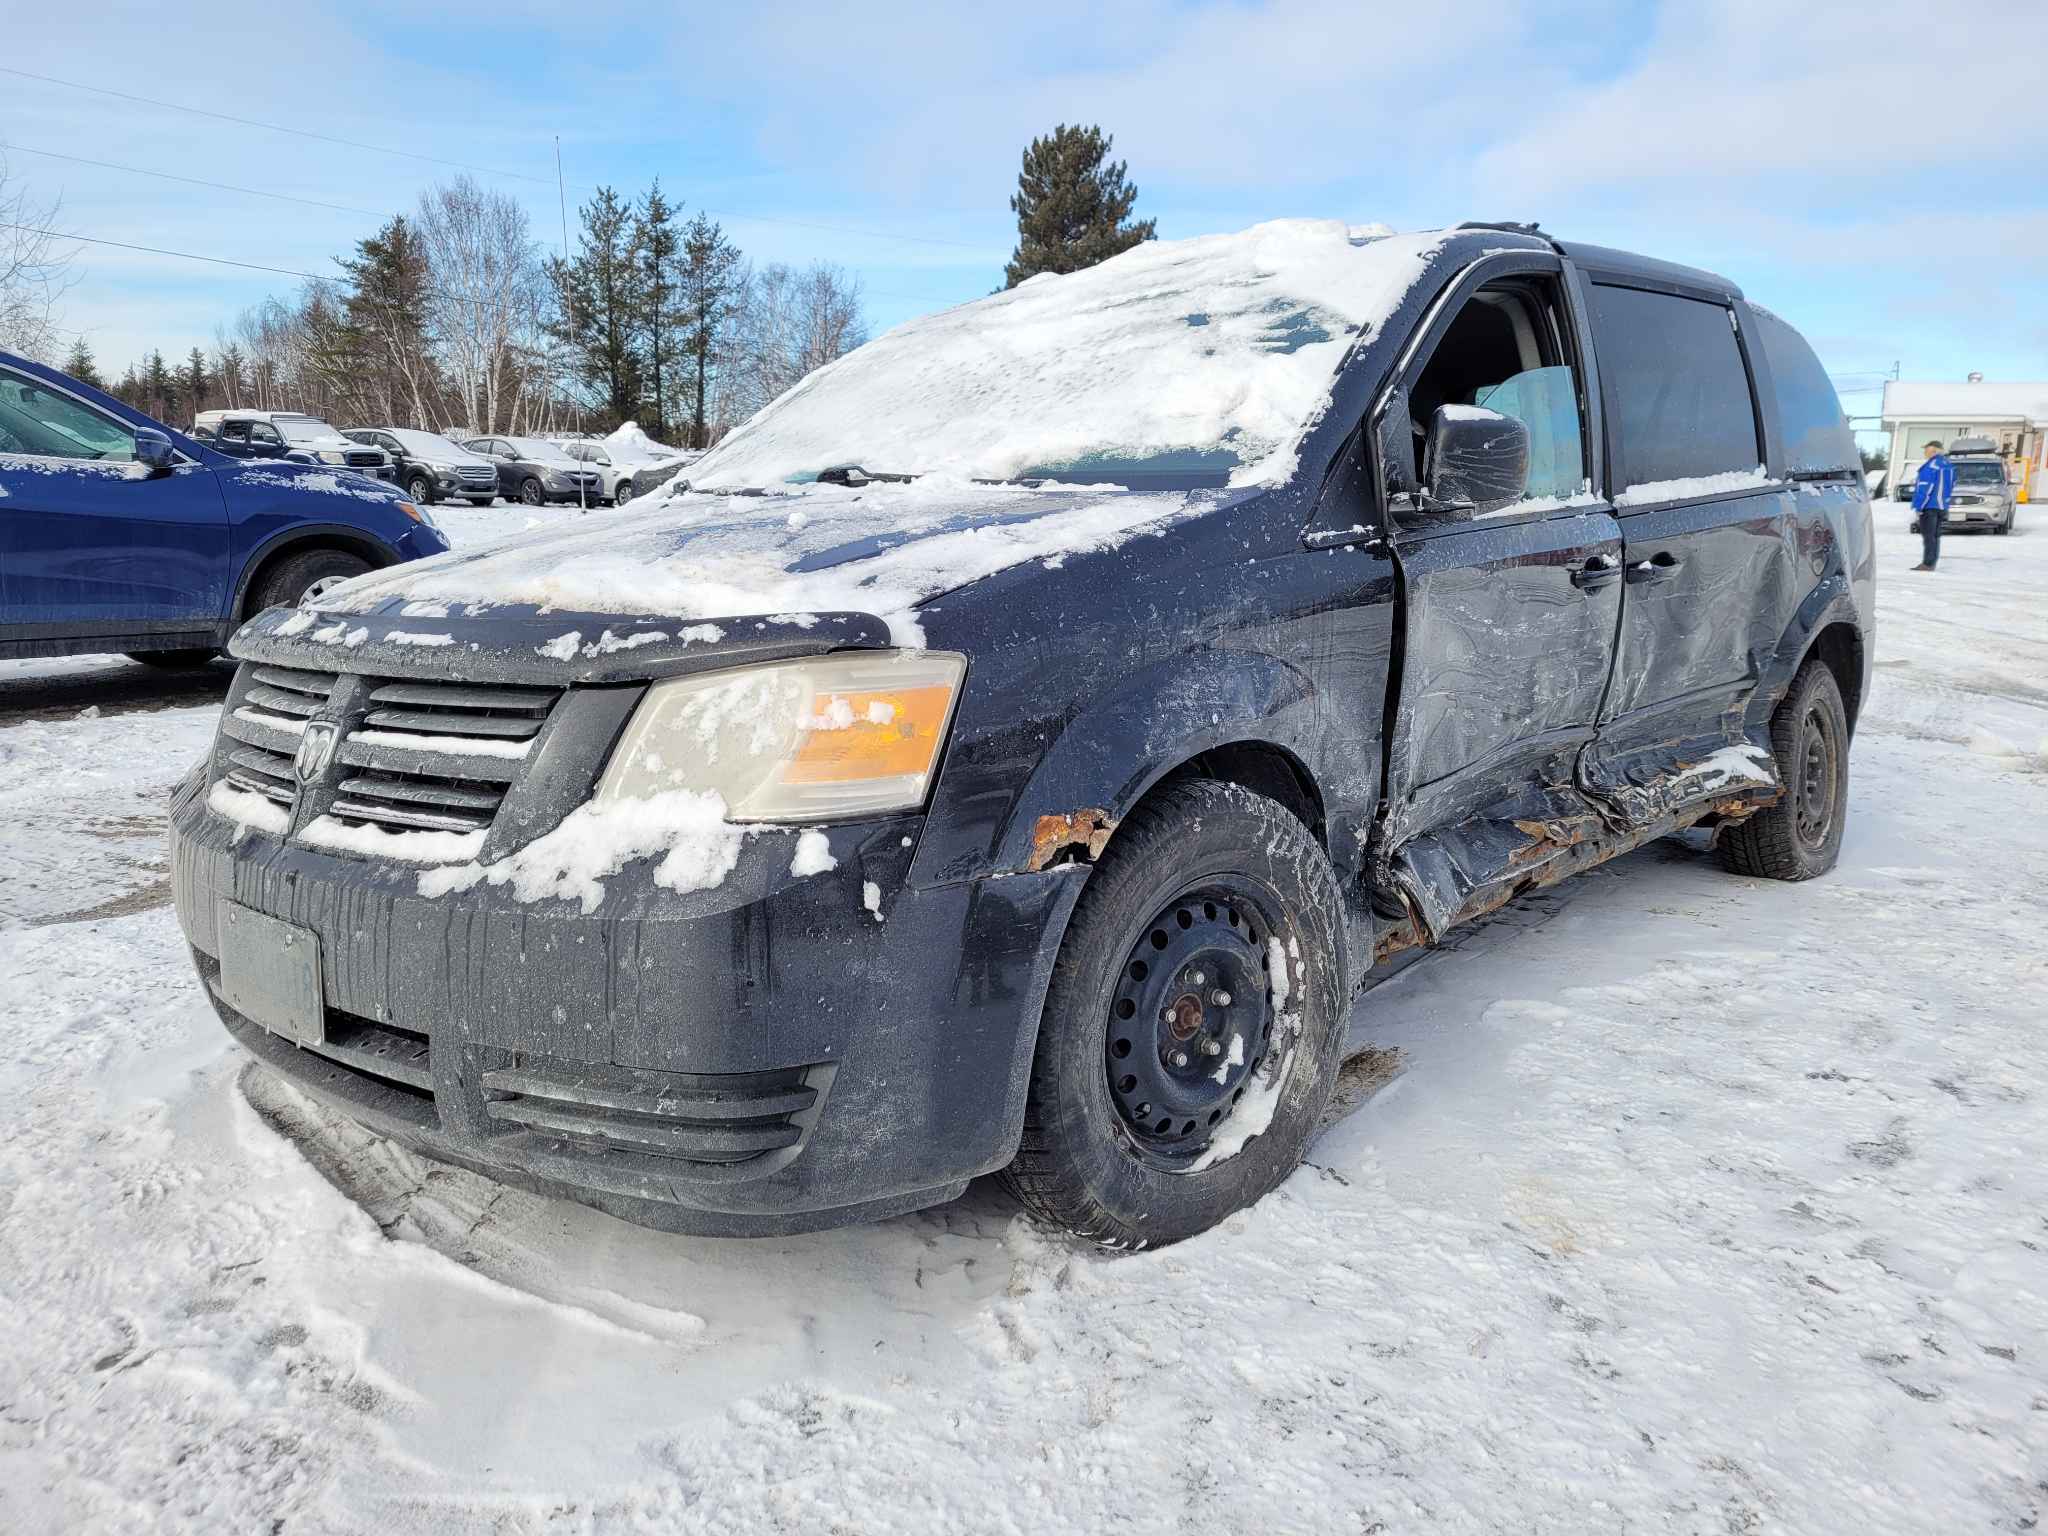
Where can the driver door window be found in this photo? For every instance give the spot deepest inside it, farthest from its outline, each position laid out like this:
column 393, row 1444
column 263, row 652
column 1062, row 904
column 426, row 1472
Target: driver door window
column 36, row 419
column 263, row 435
column 1507, row 351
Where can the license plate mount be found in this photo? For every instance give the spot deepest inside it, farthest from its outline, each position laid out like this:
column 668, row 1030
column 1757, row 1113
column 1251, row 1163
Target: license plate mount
column 270, row 972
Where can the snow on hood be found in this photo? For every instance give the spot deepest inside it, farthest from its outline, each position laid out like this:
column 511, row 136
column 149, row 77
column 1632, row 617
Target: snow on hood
column 881, row 549
column 1212, row 354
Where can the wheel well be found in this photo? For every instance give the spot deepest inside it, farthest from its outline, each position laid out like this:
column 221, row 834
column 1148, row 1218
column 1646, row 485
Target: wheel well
column 362, row 549
column 1261, row 768
column 1840, row 649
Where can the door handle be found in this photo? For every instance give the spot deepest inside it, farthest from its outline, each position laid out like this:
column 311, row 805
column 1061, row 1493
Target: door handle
column 1656, row 568
column 1598, row 571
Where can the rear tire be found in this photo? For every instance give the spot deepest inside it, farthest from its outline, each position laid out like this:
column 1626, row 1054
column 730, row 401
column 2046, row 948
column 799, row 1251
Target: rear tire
column 1800, row 836
column 175, row 661
column 296, row 579
column 1206, row 885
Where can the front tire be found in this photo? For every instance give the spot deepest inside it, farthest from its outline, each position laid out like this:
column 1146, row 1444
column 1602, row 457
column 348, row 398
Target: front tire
column 531, row 493
column 1194, row 1023
column 421, row 490
column 302, row 578
column 1800, row 836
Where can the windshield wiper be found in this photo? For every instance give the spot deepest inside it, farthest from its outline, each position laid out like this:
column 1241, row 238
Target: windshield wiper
column 854, row 474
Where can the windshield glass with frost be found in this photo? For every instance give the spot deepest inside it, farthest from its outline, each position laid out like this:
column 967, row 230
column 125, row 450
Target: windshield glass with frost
column 307, row 429
column 1204, row 359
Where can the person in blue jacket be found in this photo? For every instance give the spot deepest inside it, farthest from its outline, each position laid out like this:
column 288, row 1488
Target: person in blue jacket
column 1932, row 488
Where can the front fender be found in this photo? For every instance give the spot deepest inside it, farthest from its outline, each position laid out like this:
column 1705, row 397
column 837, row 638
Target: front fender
column 1156, row 719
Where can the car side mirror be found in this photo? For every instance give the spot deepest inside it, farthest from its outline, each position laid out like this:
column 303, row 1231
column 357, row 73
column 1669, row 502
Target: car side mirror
column 154, row 451
column 1475, row 461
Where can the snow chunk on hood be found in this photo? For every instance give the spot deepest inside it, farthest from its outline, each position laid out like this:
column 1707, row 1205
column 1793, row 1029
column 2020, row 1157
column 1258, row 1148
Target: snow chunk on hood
column 880, row 549
column 1212, row 354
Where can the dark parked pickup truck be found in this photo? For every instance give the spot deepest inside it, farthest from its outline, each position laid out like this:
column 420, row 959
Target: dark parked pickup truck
column 1011, row 749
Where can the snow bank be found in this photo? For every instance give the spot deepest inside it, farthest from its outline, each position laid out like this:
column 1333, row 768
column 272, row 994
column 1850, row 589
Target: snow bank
column 630, row 445
column 1218, row 349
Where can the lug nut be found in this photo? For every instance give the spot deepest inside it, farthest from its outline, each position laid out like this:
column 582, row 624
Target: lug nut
column 1220, row 998
column 1212, row 1048
column 1196, row 978
column 1179, row 1058
column 1166, row 1015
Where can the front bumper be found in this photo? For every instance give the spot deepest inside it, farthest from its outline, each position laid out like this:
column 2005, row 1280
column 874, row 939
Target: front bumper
column 759, row 1058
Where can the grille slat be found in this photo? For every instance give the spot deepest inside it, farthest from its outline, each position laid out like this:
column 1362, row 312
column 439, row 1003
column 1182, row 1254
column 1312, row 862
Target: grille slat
column 460, row 696
column 423, row 792
column 414, row 762
column 282, row 702
column 406, row 819
column 454, row 723
column 318, row 684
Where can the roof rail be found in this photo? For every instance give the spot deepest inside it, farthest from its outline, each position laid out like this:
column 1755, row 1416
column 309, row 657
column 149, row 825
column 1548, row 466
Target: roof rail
column 1510, row 227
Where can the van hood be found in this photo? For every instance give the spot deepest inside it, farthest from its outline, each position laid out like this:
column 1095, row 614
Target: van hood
column 787, row 556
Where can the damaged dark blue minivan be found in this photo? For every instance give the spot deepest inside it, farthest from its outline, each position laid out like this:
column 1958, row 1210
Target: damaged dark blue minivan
column 1011, row 749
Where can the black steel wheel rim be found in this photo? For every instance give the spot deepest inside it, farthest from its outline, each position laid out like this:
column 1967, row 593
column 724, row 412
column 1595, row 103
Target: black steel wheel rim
column 1190, row 1019
column 1814, row 788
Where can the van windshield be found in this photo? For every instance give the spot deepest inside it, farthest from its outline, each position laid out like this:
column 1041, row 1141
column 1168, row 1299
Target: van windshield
column 1198, row 361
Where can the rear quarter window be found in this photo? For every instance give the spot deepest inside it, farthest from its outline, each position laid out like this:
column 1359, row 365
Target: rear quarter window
column 1676, row 388
column 1810, row 420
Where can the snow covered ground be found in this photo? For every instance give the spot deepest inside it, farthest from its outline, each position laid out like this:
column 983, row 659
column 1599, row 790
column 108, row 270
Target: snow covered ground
column 1667, row 1201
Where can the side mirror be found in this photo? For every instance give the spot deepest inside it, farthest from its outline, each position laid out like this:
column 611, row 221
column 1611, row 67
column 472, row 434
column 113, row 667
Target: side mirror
column 1475, row 460
column 154, row 451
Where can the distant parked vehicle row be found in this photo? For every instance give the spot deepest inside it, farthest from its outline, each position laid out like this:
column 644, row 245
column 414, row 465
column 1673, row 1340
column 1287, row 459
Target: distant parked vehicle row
column 431, row 467
column 536, row 472
column 118, row 533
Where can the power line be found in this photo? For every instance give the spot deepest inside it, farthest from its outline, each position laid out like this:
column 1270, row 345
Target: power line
column 193, row 181
column 461, row 165
column 249, row 122
column 313, row 277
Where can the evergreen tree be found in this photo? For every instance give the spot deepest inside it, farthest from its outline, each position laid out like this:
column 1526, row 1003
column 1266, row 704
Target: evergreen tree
column 380, row 348
column 232, row 369
column 656, row 247
column 159, row 386
column 711, row 291
column 194, row 382
column 81, row 366
column 600, row 304
column 130, row 391
column 1072, row 203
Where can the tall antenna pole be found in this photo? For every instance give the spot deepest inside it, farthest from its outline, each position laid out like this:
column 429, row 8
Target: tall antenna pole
column 562, row 197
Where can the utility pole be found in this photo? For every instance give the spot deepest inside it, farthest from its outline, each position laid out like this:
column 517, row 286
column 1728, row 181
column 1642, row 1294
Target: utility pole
column 562, row 201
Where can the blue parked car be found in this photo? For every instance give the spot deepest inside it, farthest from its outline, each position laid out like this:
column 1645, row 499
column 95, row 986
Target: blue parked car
column 119, row 534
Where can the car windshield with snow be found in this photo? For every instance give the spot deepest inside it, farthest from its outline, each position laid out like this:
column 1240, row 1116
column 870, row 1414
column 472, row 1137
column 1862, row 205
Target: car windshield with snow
column 1012, row 748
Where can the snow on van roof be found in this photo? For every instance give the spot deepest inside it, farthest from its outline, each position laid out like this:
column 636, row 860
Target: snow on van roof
column 1205, row 355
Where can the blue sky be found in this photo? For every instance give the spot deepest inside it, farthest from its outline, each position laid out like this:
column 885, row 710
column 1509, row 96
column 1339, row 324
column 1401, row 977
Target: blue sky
column 1875, row 173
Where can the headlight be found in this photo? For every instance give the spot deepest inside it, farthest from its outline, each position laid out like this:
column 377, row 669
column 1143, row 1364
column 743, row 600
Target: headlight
column 333, row 456
column 795, row 741
column 419, row 514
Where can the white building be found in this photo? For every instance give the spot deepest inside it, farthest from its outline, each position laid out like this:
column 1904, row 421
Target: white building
column 2014, row 416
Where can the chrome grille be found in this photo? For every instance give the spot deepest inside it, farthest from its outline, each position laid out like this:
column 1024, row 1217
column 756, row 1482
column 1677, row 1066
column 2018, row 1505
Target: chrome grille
column 265, row 727
column 369, row 458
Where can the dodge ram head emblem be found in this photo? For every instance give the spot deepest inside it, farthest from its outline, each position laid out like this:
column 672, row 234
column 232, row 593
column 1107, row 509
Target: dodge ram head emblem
column 316, row 751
